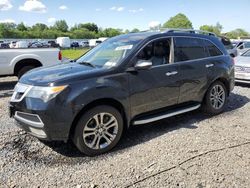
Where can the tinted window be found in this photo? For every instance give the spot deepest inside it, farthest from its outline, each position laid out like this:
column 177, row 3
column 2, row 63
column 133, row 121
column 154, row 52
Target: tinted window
column 212, row 49
column 247, row 45
column 158, row 52
column 188, row 49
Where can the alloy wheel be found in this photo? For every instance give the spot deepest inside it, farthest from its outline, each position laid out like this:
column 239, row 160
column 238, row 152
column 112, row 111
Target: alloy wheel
column 217, row 97
column 100, row 131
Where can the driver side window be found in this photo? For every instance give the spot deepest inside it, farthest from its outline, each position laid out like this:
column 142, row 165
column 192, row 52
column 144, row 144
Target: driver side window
column 158, row 52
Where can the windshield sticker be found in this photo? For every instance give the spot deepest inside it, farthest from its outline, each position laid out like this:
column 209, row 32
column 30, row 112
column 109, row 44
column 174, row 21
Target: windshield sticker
column 127, row 47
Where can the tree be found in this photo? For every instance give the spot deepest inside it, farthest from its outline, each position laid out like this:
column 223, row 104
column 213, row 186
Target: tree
column 237, row 33
column 109, row 32
column 7, row 30
column 21, row 27
column 178, row 21
column 211, row 28
column 39, row 27
column 61, row 25
column 135, row 30
column 89, row 26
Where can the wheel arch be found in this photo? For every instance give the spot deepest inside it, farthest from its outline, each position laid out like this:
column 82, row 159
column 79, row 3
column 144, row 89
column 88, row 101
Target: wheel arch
column 104, row 101
column 221, row 79
column 26, row 62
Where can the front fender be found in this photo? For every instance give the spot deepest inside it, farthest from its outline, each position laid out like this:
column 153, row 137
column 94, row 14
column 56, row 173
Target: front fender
column 109, row 87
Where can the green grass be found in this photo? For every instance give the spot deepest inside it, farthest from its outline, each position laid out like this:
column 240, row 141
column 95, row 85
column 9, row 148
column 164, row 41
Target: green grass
column 73, row 53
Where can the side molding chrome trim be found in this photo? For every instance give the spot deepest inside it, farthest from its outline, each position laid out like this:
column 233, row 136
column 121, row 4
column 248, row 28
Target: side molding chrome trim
column 140, row 122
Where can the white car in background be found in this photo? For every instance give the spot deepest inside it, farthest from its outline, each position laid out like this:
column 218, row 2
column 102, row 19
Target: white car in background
column 63, row 42
column 242, row 68
column 16, row 62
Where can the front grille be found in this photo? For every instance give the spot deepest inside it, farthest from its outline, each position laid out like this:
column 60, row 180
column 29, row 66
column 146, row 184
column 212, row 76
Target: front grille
column 242, row 69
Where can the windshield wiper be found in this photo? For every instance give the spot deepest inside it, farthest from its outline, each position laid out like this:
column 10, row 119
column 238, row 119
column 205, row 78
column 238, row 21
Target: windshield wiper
column 87, row 63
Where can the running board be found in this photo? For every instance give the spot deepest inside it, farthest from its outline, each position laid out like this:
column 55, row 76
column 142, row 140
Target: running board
column 167, row 115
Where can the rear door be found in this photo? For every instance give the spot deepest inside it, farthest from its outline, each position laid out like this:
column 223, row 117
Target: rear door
column 191, row 56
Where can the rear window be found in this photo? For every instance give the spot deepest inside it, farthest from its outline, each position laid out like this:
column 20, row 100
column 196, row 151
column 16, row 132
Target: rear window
column 212, row 49
column 188, row 49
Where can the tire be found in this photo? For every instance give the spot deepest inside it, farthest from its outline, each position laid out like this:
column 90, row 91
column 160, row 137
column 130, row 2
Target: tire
column 24, row 70
column 94, row 135
column 215, row 99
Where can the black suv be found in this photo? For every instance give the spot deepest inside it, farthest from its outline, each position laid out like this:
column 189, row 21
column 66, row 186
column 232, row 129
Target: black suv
column 130, row 79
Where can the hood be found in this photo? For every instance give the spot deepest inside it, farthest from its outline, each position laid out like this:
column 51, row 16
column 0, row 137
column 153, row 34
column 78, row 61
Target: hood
column 242, row 61
column 57, row 73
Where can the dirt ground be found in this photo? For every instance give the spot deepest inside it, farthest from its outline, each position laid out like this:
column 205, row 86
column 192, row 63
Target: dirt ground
column 190, row 150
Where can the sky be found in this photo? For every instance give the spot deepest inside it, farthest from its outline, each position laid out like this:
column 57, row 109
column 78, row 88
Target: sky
column 127, row 14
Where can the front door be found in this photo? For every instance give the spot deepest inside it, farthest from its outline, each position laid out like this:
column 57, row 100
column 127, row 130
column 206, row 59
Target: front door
column 158, row 86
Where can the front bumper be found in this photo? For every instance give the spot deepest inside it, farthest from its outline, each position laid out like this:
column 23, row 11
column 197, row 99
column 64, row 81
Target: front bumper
column 48, row 121
column 31, row 123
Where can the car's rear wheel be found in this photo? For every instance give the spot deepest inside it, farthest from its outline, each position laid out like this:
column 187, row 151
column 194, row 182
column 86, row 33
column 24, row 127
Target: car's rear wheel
column 98, row 130
column 215, row 99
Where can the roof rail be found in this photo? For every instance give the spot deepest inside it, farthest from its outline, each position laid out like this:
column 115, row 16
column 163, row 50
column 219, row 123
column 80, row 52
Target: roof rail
column 172, row 30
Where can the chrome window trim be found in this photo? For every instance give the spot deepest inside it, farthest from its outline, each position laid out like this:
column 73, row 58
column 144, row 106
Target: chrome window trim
column 172, row 45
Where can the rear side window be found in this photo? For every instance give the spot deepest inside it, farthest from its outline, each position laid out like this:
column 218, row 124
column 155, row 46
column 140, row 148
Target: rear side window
column 186, row 49
column 212, row 49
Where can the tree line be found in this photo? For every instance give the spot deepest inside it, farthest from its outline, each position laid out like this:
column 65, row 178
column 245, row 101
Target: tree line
column 91, row 30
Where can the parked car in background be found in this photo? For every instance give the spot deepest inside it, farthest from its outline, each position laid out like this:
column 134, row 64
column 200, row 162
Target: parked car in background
column 130, row 79
column 63, row 42
column 4, row 45
column 242, row 67
column 53, row 44
column 94, row 42
column 84, row 44
column 233, row 52
column 243, row 46
column 38, row 44
column 74, row 45
column 22, row 44
column 12, row 44
column 16, row 62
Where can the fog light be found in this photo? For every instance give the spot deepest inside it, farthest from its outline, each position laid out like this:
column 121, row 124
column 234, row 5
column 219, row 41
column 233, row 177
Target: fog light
column 38, row 132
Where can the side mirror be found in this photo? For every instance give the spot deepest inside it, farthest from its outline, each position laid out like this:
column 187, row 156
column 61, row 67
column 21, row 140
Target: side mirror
column 143, row 65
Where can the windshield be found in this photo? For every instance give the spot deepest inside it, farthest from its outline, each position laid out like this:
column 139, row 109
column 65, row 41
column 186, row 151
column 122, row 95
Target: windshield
column 246, row 54
column 111, row 52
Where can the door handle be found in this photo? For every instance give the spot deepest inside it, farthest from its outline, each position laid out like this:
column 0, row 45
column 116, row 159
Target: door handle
column 209, row 65
column 171, row 73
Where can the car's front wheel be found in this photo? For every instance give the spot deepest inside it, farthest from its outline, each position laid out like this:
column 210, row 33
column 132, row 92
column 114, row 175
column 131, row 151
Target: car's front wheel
column 215, row 99
column 98, row 130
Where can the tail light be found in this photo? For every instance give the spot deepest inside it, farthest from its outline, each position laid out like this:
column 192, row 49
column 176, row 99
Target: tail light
column 60, row 56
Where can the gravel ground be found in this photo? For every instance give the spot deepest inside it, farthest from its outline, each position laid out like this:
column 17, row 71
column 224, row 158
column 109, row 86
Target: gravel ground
column 190, row 150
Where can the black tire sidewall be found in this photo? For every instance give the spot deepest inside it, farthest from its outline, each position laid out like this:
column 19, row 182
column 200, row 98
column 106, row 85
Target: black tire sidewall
column 24, row 70
column 208, row 106
column 78, row 134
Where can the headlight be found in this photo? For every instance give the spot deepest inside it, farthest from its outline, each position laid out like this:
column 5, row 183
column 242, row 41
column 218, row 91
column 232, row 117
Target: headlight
column 45, row 93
